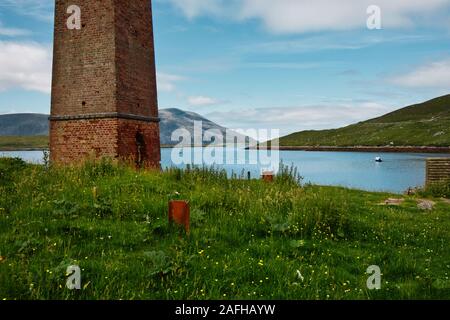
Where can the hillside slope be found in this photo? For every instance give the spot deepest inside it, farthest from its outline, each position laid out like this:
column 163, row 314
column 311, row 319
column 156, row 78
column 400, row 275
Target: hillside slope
column 24, row 124
column 30, row 130
column 424, row 124
column 173, row 119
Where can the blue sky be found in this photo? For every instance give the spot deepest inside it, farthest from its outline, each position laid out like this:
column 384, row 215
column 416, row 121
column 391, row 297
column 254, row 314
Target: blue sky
column 284, row 64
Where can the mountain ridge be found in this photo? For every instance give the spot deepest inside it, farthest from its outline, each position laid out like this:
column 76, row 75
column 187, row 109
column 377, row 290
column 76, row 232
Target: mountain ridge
column 24, row 124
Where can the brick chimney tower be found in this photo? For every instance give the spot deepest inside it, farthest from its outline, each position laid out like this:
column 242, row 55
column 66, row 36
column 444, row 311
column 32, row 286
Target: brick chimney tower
column 104, row 99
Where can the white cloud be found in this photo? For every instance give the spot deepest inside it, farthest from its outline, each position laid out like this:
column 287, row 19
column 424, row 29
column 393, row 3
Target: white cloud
column 12, row 32
column 340, row 41
column 167, row 82
column 202, row 101
column 38, row 9
column 282, row 65
column 25, row 65
column 297, row 16
column 293, row 119
column 28, row 65
column 431, row 75
column 194, row 8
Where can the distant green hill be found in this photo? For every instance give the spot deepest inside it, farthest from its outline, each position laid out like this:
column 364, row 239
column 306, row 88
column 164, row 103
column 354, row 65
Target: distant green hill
column 424, row 124
column 13, row 143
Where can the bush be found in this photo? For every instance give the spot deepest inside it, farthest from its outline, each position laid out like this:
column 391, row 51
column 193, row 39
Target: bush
column 438, row 190
column 289, row 175
column 10, row 167
column 102, row 168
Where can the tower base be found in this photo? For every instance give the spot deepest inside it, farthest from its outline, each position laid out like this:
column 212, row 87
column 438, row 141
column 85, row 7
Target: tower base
column 75, row 141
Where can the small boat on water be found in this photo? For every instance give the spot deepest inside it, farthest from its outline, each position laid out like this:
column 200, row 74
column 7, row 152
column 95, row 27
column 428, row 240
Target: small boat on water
column 378, row 159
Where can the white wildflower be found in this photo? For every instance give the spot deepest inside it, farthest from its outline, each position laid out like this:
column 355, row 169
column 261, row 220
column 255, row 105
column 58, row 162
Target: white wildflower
column 299, row 275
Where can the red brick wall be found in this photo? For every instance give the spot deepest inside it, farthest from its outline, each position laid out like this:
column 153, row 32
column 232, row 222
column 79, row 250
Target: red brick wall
column 75, row 140
column 107, row 67
column 136, row 90
column 84, row 68
column 127, row 130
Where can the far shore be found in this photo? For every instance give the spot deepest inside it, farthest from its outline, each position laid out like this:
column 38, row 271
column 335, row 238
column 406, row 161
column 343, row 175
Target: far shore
column 386, row 149
column 374, row 149
column 22, row 149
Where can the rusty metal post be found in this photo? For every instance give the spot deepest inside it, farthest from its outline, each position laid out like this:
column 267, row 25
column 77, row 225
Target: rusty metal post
column 268, row 176
column 180, row 213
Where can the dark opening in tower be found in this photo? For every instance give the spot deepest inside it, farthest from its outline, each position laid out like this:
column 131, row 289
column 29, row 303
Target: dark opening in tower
column 141, row 150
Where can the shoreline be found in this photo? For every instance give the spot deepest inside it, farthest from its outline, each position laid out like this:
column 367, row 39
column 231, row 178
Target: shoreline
column 386, row 149
column 405, row 149
column 24, row 149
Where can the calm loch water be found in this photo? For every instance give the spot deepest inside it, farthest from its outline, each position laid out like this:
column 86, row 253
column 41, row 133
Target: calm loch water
column 396, row 173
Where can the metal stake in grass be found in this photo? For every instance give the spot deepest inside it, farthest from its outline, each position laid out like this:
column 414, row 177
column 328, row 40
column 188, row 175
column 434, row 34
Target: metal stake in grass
column 267, row 176
column 94, row 193
column 179, row 213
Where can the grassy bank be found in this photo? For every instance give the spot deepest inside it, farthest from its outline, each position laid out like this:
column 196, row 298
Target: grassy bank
column 424, row 124
column 437, row 190
column 408, row 133
column 249, row 239
column 23, row 143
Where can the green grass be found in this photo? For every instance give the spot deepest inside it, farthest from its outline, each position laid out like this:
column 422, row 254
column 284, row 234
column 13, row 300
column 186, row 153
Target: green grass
column 439, row 189
column 248, row 238
column 425, row 124
column 23, row 143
